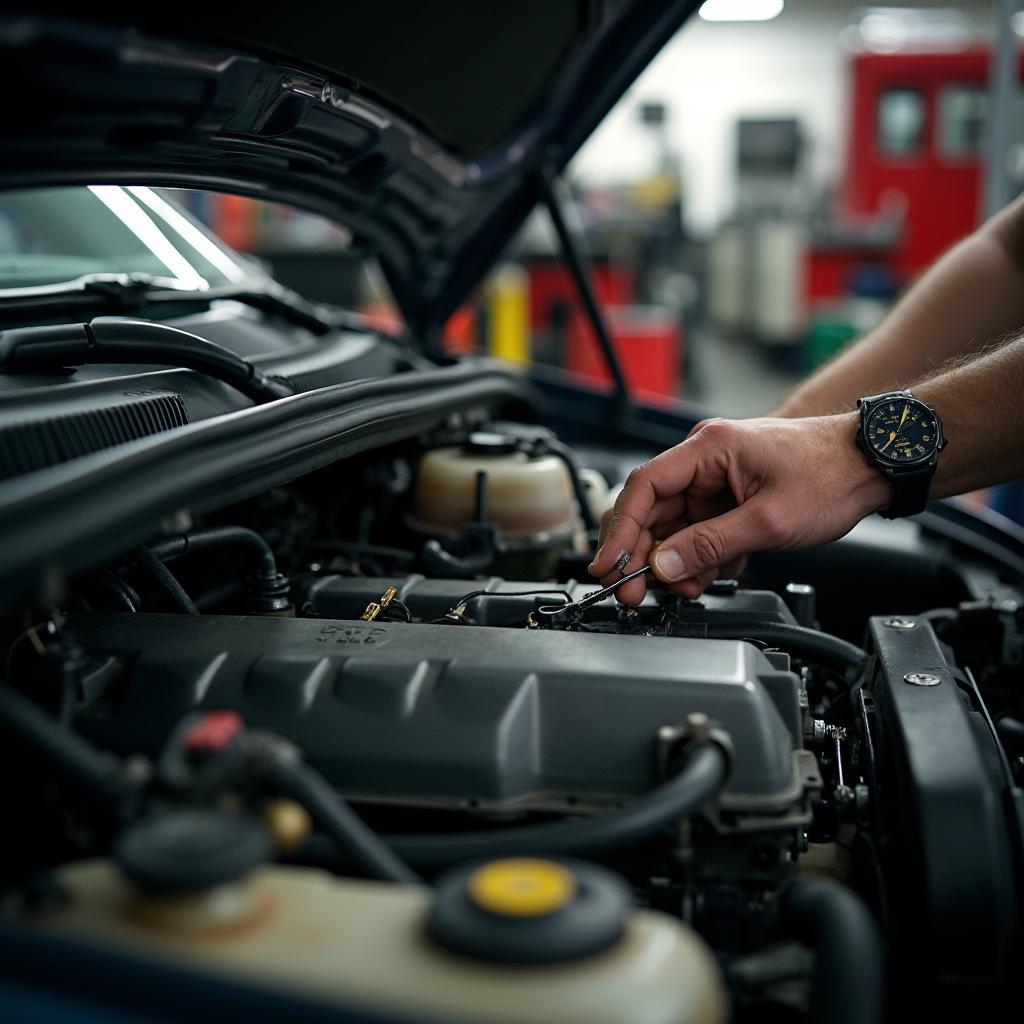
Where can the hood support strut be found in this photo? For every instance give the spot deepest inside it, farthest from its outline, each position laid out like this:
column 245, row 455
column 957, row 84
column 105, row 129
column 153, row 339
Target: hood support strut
column 547, row 184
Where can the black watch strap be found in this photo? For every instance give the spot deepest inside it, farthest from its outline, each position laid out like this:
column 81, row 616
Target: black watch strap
column 909, row 492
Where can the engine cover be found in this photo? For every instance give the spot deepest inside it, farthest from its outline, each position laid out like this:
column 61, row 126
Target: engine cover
column 345, row 597
column 451, row 715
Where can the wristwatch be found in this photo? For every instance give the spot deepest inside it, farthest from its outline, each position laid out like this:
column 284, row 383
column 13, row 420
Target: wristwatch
column 901, row 437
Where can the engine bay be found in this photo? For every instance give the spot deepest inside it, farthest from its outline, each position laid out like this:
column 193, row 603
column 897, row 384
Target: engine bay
column 393, row 621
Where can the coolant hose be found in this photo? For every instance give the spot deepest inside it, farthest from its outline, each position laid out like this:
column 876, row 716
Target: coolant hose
column 218, row 536
column 849, row 976
column 167, row 580
column 829, row 650
column 124, row 598
column 705, row 765
column 579, row 488
column 94, row 771
column 348, row 831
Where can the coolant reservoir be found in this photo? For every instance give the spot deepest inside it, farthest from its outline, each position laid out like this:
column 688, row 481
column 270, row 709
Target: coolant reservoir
column 361, row 944
column 530, row 496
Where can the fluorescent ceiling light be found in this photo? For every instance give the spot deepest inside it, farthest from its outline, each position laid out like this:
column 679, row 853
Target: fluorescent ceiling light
column 136, row 220
column 741, row 10
column 189, row 232
column 907, row 29
column 884, row 33
column 1017, row 21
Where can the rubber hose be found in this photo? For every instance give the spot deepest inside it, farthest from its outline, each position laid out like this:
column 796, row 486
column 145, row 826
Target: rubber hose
column 133, row 341
column 579, row 488
column 829, row 650
column 703, row 772
column 165, row 578
column 849, row 975
column 94, row 771
column 435, row 557
column 308, row 788
column 215, row 537
column 124, row 598
column 1011, row 729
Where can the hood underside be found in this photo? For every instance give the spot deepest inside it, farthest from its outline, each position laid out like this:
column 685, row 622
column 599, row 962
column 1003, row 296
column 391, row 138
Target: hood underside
column 422, row 127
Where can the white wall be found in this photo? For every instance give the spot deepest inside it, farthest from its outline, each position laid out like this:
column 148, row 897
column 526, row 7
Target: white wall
column 713, row 73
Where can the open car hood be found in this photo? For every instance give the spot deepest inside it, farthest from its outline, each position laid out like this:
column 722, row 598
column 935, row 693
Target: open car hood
column 423, row 127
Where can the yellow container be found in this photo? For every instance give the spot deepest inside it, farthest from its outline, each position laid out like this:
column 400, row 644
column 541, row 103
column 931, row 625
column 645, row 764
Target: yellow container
column 508, row 308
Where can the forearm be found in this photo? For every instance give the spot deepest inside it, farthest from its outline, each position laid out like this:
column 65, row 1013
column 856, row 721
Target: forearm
column 973, row 295
column 738, row 486
column 980, row 407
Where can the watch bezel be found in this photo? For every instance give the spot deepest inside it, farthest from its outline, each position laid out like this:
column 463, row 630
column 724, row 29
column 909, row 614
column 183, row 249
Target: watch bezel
column 876, row 458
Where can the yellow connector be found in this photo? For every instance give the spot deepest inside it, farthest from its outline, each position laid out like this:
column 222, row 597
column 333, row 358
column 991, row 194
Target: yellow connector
column 374, row 608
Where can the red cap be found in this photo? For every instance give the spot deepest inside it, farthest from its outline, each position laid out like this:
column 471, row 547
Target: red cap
column 214, row 731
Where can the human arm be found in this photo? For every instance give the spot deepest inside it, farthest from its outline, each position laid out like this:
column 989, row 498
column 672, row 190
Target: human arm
column 735, row 487
column 973, row 294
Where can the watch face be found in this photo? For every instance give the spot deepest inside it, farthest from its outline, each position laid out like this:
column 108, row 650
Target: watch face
column 902, row 430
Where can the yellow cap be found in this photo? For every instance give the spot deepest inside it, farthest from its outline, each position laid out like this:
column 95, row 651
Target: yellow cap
column 522, row 887
column 289, row 824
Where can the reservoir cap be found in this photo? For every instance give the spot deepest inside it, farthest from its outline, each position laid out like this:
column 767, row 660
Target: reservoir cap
column 527, row 910
column 521, row 887
column 191, row 849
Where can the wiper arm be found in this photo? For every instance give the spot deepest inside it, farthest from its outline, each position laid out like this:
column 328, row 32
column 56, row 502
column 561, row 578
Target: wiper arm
column 129, row 294
column 134, row 341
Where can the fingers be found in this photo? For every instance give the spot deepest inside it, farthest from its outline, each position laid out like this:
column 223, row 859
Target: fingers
column 716, row 543
column 634, row 591
column 653, row 491
column 692, row 589
column 698, row 427
column 732, row 488
column 688, row 495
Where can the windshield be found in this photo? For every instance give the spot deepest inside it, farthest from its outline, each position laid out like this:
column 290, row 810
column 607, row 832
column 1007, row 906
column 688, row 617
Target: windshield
column 49, row 236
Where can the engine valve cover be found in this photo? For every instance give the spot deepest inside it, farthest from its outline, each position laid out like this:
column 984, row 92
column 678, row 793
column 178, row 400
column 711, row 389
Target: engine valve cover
column 449, row 715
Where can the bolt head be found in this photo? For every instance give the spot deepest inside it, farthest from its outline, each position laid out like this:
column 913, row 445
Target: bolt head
column 899, row 623
column 921, row 679
column 844, row 797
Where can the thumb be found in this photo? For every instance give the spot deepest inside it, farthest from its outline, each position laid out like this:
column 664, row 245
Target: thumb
column 697, row 549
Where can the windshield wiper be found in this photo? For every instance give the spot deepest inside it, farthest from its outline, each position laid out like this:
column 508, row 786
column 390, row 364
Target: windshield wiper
column 130, row 294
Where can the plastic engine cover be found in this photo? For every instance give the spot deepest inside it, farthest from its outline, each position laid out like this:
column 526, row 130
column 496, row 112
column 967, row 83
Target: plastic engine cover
column 439, row 714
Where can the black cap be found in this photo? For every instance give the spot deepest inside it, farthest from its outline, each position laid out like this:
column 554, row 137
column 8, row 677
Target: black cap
column 191, row 849
column 489, row 442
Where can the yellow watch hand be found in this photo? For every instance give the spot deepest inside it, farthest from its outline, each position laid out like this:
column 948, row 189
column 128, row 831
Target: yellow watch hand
column 893, row 433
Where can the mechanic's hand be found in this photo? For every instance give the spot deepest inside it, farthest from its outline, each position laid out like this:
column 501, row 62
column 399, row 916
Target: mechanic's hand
column 732, row 487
